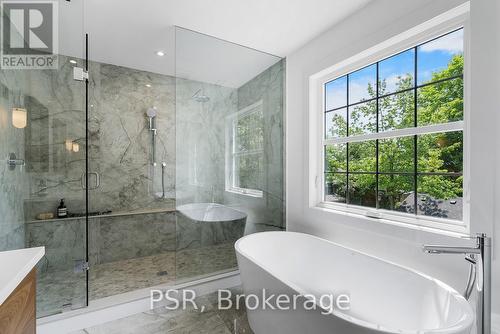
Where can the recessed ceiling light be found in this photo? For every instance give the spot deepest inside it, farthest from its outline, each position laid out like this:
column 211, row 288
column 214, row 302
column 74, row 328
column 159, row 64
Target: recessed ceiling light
column 160, row 53
column 72, row 61
column 148, row 85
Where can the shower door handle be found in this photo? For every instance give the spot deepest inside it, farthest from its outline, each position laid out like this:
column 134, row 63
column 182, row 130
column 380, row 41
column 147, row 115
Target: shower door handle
column 97, row 180
column 83, row 180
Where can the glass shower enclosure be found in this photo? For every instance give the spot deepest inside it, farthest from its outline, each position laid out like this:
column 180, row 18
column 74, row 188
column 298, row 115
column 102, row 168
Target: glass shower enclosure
column 43, row 150
column 229, row 151
column 162, row 168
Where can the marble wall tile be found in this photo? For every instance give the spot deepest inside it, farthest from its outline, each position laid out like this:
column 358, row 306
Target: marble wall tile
column 110, row 239
column 195, row 234
column 64, row 243
column 191, row 140
column 200, row 157
column 12, row 182
column 267, row 212
column 121, row 144
column 119, row 139
column 201, row 146
column 56, row 109
column 128, row 237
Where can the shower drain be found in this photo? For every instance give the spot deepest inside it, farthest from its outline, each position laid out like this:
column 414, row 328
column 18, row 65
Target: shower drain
column 162, row 273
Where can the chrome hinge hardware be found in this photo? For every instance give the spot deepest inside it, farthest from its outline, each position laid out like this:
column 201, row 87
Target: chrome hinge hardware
column 80, row 74
column 81, row 266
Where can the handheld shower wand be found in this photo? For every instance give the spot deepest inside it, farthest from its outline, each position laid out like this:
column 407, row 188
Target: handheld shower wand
column 151, row 113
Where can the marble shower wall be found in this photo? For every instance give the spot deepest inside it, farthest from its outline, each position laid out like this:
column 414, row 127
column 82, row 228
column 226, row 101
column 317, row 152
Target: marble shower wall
column 120, row 146
column 119, row 142
column 201, row 141
column 111, row 238
column 201, row 146
column 54, row 140
column 12, row 183
column 268, row 212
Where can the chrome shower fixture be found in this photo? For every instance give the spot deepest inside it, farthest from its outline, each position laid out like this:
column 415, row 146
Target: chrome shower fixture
column 152, row 113
column 200, row 97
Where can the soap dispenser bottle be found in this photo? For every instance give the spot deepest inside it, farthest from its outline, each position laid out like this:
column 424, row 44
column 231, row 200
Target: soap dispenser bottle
column 62, row 211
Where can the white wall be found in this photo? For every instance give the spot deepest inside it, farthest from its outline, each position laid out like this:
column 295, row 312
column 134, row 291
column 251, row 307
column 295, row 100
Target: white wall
column 485, row 121
column 485, row 16
column 380, row 20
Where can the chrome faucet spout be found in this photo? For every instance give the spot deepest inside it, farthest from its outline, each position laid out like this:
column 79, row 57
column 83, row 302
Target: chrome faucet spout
column 479, row 258
column 436, row 249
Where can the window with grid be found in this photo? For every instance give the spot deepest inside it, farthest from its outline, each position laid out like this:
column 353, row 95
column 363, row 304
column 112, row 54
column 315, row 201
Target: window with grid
column 246, row 151
column 393, row 135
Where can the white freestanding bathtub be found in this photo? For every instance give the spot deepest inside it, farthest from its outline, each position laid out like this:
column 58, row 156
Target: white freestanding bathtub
column 384, row 297
column 210, row 212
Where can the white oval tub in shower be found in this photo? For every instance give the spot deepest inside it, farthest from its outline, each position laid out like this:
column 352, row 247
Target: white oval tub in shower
column 384, row 297
column 210, row 212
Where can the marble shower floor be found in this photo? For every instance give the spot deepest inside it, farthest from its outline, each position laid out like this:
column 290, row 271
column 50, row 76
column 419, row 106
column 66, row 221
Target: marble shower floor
column 210, row 321
column 56, row 289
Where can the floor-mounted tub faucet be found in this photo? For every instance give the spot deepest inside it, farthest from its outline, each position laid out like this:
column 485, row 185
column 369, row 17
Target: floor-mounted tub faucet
column 480, row 273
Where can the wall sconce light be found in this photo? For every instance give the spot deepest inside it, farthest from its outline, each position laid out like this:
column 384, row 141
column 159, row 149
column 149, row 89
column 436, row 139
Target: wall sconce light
column 69, row 145
column 19, row 118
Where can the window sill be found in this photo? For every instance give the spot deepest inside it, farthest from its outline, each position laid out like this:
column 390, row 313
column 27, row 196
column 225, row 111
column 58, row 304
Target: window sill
column 437, row 226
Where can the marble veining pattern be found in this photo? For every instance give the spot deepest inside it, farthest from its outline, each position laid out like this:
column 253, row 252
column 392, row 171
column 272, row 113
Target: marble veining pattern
column 211, row 321
column 13, row 184
column 201, row 146
column 126, row 252
column 266, row 213
column 122, row 153
column 120, row 143
column 194, row 234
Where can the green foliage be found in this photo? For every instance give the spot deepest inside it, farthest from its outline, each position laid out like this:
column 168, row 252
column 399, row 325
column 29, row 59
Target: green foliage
column 437, row 103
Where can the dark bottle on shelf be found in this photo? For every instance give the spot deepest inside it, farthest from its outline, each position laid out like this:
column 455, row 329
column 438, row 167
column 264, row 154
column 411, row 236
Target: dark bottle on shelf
column 62, row 211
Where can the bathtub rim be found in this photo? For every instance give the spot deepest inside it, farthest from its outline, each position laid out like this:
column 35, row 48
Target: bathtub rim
column 184, row 209
column 466, row 320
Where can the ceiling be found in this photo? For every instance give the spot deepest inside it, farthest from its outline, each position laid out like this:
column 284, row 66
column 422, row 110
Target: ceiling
column 129, row 32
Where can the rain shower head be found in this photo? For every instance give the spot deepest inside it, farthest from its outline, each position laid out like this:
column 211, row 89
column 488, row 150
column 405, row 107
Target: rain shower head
column 200, row 97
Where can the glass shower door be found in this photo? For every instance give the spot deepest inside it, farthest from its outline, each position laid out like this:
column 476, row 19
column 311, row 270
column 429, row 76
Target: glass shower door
column 132, row 154
column 43, row 149
column 229, row 156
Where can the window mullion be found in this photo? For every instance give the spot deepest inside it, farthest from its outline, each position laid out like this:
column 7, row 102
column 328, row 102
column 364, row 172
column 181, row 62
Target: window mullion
column 415, row 138
column 347, row 199
column 406, row 132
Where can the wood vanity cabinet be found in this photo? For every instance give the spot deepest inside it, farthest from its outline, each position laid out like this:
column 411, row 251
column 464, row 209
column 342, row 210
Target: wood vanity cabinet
column 18, row 311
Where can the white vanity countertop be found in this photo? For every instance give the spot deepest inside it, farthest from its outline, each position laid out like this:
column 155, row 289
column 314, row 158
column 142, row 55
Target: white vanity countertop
column 15, row 265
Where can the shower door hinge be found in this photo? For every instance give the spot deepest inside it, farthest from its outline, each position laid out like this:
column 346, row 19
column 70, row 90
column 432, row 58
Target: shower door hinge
column 67, row 307
column 81, row 266
column 80, row 74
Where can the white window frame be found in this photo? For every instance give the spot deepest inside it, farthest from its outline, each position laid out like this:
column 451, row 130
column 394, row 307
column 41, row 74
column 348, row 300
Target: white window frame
column 440, row 25
column 231, row 152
